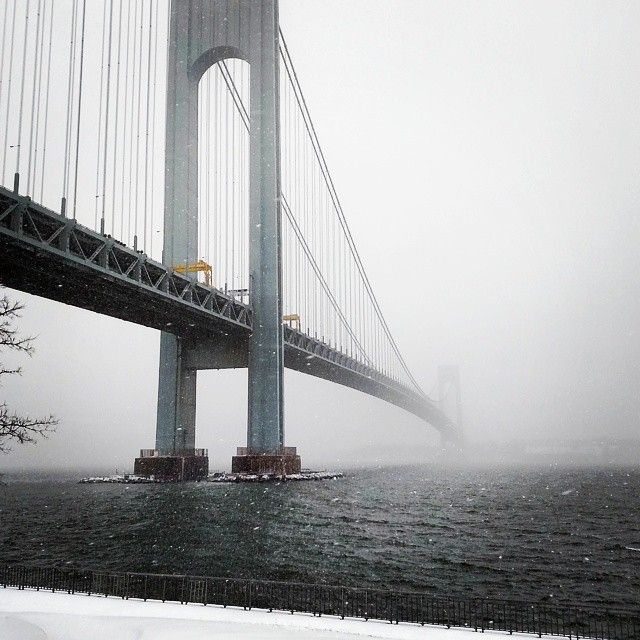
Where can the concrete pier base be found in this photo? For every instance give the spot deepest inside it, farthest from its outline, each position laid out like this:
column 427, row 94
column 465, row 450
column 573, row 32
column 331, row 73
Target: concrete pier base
column 285, row 463
column 183, row 466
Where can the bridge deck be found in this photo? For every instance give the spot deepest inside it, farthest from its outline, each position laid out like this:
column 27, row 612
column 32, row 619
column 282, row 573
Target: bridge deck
column 49, row 255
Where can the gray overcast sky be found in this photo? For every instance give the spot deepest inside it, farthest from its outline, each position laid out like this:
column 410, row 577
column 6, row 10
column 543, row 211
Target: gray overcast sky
column 487, row 155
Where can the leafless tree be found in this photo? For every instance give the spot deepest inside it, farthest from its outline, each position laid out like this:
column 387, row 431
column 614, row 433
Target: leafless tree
column 14, row 427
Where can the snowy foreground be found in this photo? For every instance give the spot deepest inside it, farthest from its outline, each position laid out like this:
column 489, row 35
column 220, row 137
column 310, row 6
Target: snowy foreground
column 33, row 615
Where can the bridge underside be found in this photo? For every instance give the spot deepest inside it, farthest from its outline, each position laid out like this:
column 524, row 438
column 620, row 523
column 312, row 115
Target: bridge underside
column 48, row 255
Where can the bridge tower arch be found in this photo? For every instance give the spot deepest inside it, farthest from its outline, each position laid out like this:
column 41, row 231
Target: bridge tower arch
column 202, row 33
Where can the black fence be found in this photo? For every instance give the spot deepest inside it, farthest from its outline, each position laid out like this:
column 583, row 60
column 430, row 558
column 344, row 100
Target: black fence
column 346, row 602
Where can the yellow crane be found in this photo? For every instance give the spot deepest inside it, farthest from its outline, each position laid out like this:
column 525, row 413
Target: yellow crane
column 196, row 267
column 292, row 318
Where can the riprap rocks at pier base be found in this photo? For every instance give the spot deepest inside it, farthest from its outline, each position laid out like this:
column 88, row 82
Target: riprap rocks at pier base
column 269, row 477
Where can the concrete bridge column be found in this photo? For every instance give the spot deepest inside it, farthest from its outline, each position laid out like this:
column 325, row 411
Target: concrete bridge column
column 176, row 422
column 265, row 431
column 176, row 417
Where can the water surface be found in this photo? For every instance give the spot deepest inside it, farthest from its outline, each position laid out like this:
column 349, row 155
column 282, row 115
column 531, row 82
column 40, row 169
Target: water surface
column 567, row 535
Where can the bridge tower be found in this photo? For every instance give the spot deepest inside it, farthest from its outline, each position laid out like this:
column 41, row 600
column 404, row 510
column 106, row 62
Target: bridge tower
column 450, row 400
column 203, row 33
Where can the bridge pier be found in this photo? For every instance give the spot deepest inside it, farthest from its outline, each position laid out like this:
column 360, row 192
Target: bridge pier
column 176, row 419
column 175, row 457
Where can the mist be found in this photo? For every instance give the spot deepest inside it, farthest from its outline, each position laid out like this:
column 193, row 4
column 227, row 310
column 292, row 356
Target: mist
column 487, row 159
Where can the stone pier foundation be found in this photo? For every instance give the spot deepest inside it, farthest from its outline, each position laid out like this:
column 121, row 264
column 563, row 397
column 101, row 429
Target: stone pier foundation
column 285, row 463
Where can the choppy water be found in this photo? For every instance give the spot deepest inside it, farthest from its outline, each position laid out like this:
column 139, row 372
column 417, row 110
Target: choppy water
column 569, row 535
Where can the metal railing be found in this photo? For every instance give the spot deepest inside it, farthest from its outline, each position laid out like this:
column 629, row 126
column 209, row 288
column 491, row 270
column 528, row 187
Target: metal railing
column 154, row 453
column 346, row 602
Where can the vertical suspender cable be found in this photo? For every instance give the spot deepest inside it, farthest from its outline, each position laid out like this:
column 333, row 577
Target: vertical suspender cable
column 233, row 191
column 46, row 105
column 245, row 182
column 38, row 104
column 241, row 203
column 216, row 170
column 322, row 249
column 310, row 233
column 70, row 94
column 353, row 288
column 16, row 178
column 241, row 160
column 6, row 123
column 367, row 326
column 226, row 192
column 99, row 127
column 316, row 247
column 130, row 190
column 313, row 264
column 202, row 165
column 334, row 267
column 115, row 127
column 153, row 126
column 359, row 316
column 349, row 290
column 237, row 163
column 138, row 102
column 124, row 131
column 75, row 180
column 146, row 139
column 2, row 59
column 302, row 156
column 285, row 163
column 327, row 259
column 207, row 168
column 106, row 119
column 296, row 146
column 342, row 269
column 34, row 91
column 307, row 297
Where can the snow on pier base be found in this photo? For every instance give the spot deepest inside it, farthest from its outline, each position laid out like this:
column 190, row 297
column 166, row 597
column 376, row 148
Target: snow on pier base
column 218, row 477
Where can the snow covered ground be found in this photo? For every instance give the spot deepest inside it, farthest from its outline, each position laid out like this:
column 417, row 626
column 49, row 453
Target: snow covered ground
column 33, row 615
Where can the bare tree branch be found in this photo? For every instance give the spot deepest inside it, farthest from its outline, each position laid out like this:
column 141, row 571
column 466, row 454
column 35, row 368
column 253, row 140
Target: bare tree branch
column 9, row 336
column 14, row 427
column 8, row 372
column 22, row 429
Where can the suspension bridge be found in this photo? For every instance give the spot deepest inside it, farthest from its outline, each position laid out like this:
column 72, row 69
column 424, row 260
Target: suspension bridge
column 160, row 165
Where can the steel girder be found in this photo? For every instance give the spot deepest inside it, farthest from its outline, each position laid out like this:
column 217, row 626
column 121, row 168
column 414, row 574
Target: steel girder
column 39, row 245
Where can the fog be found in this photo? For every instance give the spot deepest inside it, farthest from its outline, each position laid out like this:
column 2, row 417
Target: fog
column 487, row 156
